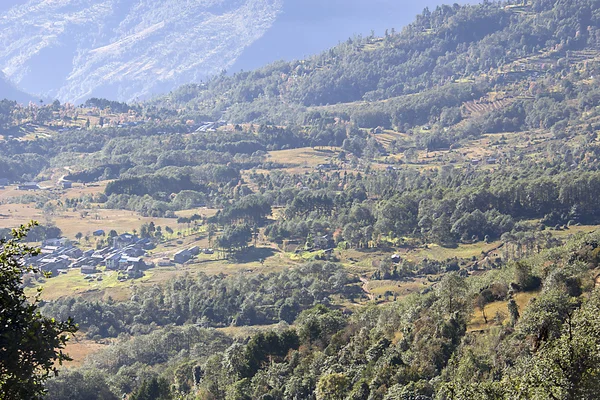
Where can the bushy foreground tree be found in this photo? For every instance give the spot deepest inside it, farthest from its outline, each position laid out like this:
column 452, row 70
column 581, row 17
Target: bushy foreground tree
column 31, row 345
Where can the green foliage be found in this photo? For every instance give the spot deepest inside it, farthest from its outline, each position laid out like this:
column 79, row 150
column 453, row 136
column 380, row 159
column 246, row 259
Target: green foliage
column 212, row 301
column 566, row 367
column 30, row 344
column 526, row 72
column 332, row 386
column 79, row 385
column 154, row 389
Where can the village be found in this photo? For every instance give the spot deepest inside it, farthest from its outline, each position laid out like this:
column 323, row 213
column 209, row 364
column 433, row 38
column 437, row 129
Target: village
column 126, row 253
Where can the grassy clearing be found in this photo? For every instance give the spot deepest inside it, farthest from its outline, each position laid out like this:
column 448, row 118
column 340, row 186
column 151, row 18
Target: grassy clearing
column 573, row 230
column 72, row 222
column 398, row 288
column 84, row 221
column 73, row 283
column 272, row 262
column 477, row 322
column 435, row 252
column 203, row 211
column 79, row 349
column 388, row 136
column 303, row 159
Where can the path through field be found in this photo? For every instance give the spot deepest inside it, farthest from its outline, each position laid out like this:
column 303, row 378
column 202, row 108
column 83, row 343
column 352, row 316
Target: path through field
column 365, row 287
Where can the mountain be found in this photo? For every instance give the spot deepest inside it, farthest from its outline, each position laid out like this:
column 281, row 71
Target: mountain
column 127, row 49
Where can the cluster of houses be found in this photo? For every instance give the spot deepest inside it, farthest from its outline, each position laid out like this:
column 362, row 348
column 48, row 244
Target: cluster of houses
column 489, row 161
column 27, row 186
column 125, row 254
column 209, row 126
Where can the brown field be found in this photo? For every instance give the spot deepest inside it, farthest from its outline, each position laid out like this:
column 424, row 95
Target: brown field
column 398, row 288
column 435, row 252
column 204, row 211
column 303, row 159
column 79, row 349
column 388, row 136
column 84, row 221
column 72, row 222
column 477, row 322
column 10, row 192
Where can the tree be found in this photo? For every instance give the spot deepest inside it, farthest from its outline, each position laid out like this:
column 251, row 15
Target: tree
column 153, row 389
column 235, row 237
column 567, row 367
column 79, row 385
column 451, row 291
column 513, row 310
column 31, row 345
column 525, row 278
column 481, row 301
column 332, row 386
column 212, row 230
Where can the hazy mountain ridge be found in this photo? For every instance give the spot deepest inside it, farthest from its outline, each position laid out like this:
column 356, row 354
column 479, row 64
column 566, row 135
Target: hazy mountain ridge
column 73, row 49
column 8, row 91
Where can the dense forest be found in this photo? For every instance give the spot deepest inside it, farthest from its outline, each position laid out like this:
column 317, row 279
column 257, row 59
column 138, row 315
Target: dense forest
column 473, row 126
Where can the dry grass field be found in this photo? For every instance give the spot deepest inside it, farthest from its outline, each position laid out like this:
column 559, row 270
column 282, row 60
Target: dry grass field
column 72, row 222
column 435, row 252
column 388, row 136
column 398, row 288
column 84, row 221
column 303, row 159
column 79, row 349
column 499, row 308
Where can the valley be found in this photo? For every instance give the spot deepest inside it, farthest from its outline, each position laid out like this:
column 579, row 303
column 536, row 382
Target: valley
column 405, row 215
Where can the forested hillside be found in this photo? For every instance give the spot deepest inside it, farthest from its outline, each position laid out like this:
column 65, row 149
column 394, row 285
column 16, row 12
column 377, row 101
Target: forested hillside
column 423, row 346
column 411, row 216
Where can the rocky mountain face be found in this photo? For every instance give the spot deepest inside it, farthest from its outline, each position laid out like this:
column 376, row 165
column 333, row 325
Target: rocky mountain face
column 125, row 49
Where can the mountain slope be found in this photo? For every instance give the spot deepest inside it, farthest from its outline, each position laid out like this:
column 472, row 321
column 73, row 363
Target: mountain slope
column 449, row 47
